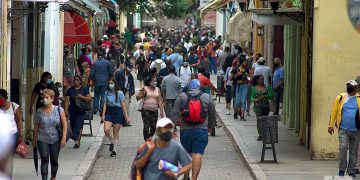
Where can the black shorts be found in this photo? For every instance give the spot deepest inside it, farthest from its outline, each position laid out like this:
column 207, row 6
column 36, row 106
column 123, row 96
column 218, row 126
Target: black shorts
column 229, row 93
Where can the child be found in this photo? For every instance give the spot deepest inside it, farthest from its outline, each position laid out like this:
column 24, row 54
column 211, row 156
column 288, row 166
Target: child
column 86, row 74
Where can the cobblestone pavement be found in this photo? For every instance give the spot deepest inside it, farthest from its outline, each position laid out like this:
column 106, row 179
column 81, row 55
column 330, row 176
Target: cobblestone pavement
column 221, row 161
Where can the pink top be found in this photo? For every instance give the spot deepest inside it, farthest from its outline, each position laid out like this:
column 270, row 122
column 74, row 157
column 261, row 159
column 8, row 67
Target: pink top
column 151, row 100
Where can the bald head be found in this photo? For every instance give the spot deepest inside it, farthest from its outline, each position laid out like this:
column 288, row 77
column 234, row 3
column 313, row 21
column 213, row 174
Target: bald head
column 277, row 62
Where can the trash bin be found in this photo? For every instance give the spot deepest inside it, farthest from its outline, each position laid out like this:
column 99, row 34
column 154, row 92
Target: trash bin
column 269, row 127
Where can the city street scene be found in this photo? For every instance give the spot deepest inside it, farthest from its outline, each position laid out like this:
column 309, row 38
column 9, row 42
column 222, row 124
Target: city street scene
column 179, row 89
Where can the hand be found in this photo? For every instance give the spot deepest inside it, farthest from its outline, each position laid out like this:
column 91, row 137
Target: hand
column 63, row 142
column 79, row 96
column 161, row 114
column 30, row 110
column 171, row 174
column 103, row 118
column 330, row 130
column 150, row 145
column 175, row 135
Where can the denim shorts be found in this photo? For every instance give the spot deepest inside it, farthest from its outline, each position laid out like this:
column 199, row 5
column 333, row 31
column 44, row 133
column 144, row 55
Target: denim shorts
column 194, row 140
column 114, row 115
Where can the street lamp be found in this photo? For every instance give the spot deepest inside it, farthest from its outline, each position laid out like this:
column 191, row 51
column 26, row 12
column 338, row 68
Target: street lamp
column 242, row 4
column 274, row 4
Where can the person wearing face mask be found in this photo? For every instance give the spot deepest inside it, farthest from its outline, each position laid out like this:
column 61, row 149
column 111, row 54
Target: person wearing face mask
column 152, row 104
column 184, row 73
column 75, row 114
column 114, row 114
column 163, row 148
column 46, row 135
column 345, row 117
column 70, row 68
column 6, row 143
column 142, row 67
column 278, row 83
column 46, row 82
column 125, row 80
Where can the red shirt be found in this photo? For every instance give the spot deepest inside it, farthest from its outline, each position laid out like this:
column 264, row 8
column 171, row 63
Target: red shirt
column 204, row 81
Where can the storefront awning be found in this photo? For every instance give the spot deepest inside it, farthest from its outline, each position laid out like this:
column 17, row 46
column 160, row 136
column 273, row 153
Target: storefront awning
column 287, row 16
column 76, row 29
column 93, row 7
column 213, row 5
column 240, row 26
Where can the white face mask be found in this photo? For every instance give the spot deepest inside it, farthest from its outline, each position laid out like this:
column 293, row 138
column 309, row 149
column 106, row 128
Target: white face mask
column 153, row 83
column 60, row 90
column 111, row 86
column 47, row 101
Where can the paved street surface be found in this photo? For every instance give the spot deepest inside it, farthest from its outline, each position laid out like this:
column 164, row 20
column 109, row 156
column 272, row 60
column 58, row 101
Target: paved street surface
column 294, row 160
column 221, row 161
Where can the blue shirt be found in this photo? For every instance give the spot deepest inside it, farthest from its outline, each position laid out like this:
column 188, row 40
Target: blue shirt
column 110, row 99
column 101, row 72
column 348, row 115
column 278, row 76
column 163, row 56
column 176, row 60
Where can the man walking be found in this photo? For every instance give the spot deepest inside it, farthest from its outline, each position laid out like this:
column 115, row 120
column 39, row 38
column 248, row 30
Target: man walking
column 176, row 58
column 197, row 116
column 263, row 70
column 184, row 73
column 100, row 75
column 125, row 81
column 344, row 116
column 170, row 90
column 278, row 83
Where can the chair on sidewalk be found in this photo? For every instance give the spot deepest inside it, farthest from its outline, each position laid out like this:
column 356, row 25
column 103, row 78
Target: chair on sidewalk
column 269, row 127
column 89, row 115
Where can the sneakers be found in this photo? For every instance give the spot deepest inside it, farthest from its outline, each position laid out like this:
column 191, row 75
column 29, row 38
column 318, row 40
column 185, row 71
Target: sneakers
column 235, row 116
column 247, row 112
column 111, row 148
column 113, row 154
column 357, row 171
column 243, row 119
column 259, row 138
column 352, row 175
column 227, row 113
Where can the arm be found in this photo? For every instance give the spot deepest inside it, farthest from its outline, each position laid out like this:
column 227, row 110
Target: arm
column 253, row 94
column 161, row 105
column 86, row 98
column 64, row 126
column 334, row 112
column 18, row 118
column 270, row 94
column 32, row 102
column 67, row 103
column 142, row 161
column 104, row 111
column 77, row 70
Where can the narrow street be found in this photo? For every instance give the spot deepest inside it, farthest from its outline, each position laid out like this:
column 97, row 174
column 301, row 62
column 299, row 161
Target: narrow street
column 221, row 161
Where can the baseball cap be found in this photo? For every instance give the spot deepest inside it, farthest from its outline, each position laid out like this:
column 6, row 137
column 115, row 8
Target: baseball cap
column 164, row 122
column 261, row 60
column 352, row 82
column 194, row 84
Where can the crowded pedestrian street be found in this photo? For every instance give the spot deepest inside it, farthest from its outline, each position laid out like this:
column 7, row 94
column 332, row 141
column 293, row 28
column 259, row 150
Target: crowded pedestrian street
column 179, row 89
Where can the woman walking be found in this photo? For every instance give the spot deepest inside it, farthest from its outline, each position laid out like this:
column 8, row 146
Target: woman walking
column 240, row 77
column 46, row 135
column 141, row 66
column 114, row 114
column 15, row 119
column 73, row 111
column 261, row 94
column 152, row 103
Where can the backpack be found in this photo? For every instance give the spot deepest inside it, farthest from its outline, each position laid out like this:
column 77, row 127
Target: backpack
column 193, row 111
column 137, row 174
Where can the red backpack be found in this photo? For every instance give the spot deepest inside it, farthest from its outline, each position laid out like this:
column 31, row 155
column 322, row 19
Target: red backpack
column 193, row 111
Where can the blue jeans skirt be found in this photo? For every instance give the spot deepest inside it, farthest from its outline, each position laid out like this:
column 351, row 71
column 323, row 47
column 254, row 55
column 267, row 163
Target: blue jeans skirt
column 115, row 115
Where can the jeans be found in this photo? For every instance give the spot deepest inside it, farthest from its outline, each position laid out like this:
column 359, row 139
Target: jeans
column 248, row 98
column 212, row 65
column 46, row 150
column 99, row 93
column 261, row 110
column 76, row 123
column 348, row 140
column 241, row 95
column 169, row 105
column 278, row 94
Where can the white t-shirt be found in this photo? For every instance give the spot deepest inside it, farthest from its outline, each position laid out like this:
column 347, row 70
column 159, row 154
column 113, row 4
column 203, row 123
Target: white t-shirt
column 188, row 45
column 11, row 113
column 265, row 71
column 227, row 76
column 185, row 75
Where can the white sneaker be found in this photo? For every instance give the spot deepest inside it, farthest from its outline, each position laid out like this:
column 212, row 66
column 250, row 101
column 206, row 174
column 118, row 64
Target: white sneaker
column 228, row 113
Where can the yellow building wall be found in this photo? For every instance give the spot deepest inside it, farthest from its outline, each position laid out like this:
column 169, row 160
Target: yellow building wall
column 336, row 60
column 4, row 67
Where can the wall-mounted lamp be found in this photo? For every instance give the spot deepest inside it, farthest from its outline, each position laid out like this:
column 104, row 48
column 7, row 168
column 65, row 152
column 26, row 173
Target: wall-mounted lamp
column 260, row 30
column 274, row 4
column 242, row 4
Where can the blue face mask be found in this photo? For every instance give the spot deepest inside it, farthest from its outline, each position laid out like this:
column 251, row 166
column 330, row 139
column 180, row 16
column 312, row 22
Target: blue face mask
column 49, row 81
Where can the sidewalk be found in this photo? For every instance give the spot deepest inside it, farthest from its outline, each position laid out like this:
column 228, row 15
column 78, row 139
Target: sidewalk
column 73, row 163
column 294, row 160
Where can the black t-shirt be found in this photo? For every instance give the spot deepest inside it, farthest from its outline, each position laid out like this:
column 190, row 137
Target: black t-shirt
column 72, row 92
column 242, row 77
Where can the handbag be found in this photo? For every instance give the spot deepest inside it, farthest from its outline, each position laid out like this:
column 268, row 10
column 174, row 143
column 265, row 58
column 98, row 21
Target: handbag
column 22, row 149
column 83, row 105
column 59, row 128
column 139, row 105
